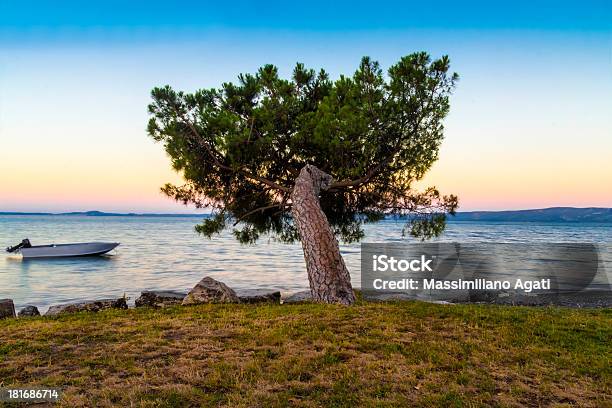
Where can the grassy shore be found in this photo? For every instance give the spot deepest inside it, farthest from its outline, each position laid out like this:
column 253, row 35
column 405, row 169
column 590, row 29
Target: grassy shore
column 372, row 354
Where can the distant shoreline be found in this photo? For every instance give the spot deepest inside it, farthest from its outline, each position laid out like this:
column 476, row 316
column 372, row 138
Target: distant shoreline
column 549, row 215
column 103, row 214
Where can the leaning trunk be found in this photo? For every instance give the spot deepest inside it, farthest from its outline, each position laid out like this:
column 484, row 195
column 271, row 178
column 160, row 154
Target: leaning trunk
column 329, row 279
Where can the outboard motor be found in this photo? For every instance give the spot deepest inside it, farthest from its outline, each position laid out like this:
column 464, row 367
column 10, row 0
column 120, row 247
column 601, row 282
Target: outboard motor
column 24, row 244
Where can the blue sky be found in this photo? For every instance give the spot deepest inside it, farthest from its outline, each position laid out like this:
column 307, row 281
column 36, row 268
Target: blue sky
column 321, row 16
column 529, row 127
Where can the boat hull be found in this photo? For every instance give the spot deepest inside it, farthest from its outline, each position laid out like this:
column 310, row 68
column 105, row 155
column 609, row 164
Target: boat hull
column 68, row 250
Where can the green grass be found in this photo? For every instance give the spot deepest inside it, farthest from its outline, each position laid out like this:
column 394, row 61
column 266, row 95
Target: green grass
column 371, row 354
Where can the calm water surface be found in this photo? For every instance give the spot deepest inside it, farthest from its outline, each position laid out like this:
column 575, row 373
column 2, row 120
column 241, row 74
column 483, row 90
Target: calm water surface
column 166, row 253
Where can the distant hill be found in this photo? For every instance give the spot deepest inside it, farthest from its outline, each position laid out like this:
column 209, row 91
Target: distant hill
column 106, row 214
column 555, row 214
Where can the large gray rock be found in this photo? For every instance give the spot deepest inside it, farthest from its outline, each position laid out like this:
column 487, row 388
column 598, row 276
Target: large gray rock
column 258, row 295
column 153, row 298
column 299, row 297
column 7, row 308
column 88, row 306
column 209, row 290
column 29, row 311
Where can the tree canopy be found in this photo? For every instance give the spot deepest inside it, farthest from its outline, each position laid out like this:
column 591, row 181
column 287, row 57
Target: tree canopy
column 240, row 147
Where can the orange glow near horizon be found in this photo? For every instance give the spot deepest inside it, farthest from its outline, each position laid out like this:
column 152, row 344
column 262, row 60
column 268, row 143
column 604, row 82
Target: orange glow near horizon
column 125, row 183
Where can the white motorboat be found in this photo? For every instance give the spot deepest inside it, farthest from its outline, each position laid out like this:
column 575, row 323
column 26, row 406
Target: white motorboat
column 62, row 250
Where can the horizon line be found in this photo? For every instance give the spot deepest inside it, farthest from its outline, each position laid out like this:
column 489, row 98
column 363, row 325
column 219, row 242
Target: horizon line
column 133, row 213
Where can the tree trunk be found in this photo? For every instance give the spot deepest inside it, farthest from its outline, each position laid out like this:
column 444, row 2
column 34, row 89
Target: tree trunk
column 329, row 279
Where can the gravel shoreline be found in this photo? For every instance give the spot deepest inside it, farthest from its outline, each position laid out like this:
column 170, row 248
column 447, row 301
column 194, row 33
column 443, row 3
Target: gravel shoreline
column 584, row 299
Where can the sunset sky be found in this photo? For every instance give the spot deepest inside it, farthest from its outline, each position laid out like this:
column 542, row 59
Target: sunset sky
column 530, row 123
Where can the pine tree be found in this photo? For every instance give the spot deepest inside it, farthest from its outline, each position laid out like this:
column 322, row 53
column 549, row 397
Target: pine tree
column 311, row 159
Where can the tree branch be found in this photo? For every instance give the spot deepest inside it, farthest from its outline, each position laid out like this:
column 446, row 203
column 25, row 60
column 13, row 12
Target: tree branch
column 373, row 171
column 218, row 163
column 256, row 210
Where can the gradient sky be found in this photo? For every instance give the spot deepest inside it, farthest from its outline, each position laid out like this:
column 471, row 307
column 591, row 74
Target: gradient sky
column 530, row 123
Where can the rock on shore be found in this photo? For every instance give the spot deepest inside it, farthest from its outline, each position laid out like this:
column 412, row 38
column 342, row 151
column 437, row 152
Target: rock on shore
column 88, row 306
column 299, row 297
column 29, row 311
column 7, row 308
column 209, row 290
column 153, row 298
column 258, row 295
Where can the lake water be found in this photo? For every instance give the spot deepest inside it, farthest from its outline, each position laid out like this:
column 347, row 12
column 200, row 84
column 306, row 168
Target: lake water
column 166, row 253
